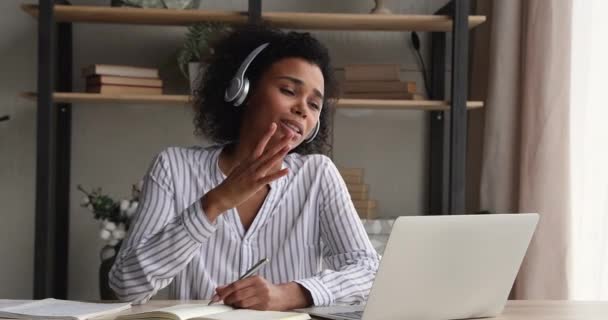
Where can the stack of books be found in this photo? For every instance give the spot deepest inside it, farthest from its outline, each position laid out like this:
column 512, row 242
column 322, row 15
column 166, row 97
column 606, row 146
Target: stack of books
column 377, row 81
column 113, row 79
column 359, row 192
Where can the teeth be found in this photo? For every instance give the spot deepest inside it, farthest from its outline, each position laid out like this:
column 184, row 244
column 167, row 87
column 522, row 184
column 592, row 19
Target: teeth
column 294, row 128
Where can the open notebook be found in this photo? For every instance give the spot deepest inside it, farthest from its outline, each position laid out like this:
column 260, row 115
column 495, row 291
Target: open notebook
column 57, row 309
column 215, row 312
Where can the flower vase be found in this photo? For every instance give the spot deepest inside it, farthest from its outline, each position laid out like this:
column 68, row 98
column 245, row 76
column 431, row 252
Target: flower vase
column 380, row 8
column 108, row 256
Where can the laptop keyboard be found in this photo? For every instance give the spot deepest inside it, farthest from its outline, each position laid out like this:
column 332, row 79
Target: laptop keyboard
column 349, row 315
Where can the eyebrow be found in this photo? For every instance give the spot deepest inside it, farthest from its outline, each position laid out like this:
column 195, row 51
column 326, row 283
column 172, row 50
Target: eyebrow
column 300, row 82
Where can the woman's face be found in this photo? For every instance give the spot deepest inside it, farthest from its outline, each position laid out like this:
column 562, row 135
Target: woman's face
column 290, row 94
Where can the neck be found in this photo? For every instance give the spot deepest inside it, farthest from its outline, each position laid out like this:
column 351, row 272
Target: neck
column 232, row 155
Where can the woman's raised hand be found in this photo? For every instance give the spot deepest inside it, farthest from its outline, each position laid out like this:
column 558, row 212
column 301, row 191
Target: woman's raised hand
column 249, row 176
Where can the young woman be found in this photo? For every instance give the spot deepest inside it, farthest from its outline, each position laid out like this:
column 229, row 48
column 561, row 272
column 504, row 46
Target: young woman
column 208, row 214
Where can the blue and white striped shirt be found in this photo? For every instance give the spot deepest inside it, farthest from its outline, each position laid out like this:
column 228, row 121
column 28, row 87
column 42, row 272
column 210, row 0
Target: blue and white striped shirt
column 307, row 218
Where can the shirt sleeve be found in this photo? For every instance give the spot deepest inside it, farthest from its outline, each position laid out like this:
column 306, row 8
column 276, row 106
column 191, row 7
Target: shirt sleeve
column 352, row 261
column 161, row 241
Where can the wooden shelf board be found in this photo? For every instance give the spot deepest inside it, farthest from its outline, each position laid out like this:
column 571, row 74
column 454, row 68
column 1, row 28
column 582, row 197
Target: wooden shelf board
column 288, row 20
column 83, row 97
column 425, row 105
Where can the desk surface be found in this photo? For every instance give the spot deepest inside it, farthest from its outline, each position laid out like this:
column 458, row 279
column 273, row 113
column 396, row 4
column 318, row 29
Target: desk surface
column 514, row 310
column 554, row 310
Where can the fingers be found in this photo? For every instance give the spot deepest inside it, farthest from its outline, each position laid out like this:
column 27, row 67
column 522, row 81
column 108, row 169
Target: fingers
column 225, row 291
column 239, row 298
column 271, row 177
column 255, row 303
column 271, row 162
column 283, row 141
column 264, row 141
column 250, row 293
column 271, row 155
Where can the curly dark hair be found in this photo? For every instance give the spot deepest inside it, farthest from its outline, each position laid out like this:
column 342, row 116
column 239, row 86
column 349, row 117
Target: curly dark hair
column 220, row 121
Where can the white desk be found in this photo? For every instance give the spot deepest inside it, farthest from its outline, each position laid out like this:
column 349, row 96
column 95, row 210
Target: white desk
column 515, row 310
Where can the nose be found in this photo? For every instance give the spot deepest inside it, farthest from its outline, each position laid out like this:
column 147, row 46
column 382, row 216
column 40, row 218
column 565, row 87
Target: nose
column 300, row 109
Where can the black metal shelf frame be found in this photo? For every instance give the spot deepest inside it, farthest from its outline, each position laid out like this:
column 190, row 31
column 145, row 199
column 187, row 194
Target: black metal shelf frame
column 447, row 149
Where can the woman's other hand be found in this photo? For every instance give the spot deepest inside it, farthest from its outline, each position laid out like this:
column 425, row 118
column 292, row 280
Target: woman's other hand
column 259, row 294
column 249, row 176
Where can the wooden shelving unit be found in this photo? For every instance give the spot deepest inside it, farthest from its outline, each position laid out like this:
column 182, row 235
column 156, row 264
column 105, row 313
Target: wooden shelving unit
column 423, row 105
column 288, row 20
column 447, row 146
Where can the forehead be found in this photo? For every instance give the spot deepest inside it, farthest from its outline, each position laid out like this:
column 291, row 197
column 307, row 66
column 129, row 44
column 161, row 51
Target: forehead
column 299, row 68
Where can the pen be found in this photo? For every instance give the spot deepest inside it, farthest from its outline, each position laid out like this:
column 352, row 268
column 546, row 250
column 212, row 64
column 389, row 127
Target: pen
column 247, row 274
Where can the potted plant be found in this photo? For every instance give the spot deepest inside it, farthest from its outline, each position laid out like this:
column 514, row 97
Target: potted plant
column 114, row 219
column 198, row 48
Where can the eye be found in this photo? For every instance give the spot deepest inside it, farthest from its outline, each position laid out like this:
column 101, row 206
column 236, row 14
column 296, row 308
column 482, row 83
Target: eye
column 287, row 91
column 314, row 105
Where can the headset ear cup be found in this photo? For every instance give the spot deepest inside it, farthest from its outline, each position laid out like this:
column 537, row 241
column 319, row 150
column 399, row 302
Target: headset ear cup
column 233, row 90
column 239, row 85
column 242, row 94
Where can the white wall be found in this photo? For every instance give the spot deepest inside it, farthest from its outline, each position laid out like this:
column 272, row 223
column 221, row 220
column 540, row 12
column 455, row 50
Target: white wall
column 17, row 151
column 112, row 145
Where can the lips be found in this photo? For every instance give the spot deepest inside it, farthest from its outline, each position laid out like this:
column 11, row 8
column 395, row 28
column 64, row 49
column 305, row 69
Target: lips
column 293, row 126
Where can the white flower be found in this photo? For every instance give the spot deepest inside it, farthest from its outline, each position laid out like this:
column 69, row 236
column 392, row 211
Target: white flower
column 105, row 234
column 132, row 209
column 124, row 205
column 107, row 253
column 113, row 242
column 110, row 226
column 118, row 234
column 85, row 201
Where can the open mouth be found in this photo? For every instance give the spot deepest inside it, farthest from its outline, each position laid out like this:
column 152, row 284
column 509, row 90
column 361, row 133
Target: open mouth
column 297, row 130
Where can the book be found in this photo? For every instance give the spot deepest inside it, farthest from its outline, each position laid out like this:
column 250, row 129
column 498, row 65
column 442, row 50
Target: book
column 350, row 171
column 111, row 89
column 357, row 187
column 352, row 179
column 127, row 81
column 365, row 204
column 116, row 70
column 359, row 195
column 59, row 309
column 386, row 72
column 352, row 175
column 379, row 86
column 382, row 95
column 213, row 312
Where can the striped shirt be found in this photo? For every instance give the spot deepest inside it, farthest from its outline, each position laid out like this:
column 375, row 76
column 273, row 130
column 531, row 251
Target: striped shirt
column 307, row 227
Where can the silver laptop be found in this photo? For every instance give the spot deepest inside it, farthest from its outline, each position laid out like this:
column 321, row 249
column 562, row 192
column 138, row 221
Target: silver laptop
column 444, row 267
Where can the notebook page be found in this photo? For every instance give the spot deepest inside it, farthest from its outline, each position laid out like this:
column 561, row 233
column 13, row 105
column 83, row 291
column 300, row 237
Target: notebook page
column 52, row 308
column 187, row 311
column 5, row 303
column 257, row 315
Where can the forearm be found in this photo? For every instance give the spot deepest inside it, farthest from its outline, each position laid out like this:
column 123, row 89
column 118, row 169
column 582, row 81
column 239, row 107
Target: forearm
column 146, row 264
column 348, row 284
column 296, row 296
column 213, row 205
column 141, row 269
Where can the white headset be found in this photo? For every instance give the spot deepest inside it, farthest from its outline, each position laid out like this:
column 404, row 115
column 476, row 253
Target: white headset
column 239, row 87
